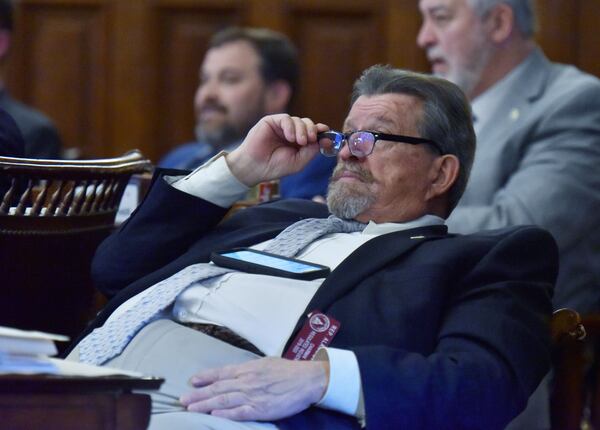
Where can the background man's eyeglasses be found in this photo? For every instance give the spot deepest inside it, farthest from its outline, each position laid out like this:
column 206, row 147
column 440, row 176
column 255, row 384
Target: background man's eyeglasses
column 361, row 142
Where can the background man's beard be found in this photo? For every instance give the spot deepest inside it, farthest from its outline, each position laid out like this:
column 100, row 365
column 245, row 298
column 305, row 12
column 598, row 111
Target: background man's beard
column 469, row 76
column 466, row 80
column 219, row 137
column 346, row 202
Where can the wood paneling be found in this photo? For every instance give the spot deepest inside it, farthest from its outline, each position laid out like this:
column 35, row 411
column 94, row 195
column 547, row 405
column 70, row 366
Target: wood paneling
column 403, row 20
column 588, row 54
column 121, row 74
column 558, row 29
column 180, row 40
column 335, row 46
column 64, row 70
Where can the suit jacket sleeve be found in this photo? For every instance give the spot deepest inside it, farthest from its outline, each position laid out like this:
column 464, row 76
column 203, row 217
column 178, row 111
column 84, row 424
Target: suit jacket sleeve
column 556, row 183
column 44, row 142
column 492, row 346
column 161, row 229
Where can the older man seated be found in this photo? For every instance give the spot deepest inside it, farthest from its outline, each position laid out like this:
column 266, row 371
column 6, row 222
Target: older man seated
column 406, row 326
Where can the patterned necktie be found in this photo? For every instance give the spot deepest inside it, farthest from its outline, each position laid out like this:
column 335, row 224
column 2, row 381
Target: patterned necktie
column 109, row 340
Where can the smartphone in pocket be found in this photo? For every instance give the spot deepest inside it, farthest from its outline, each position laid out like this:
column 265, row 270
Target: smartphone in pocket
column 264, row 263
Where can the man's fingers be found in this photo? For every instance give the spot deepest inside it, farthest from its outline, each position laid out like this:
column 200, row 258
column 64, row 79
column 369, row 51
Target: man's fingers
column 288, row 126
column 311, row 130
column 209, row 376
column 219, row 402
column 300, row 130
column 211, row 390
column 239, row 413
column 321, row 127
column 205, row 377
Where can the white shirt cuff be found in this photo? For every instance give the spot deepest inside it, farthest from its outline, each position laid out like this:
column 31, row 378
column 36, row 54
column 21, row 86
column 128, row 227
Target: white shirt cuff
column 343, row 391
column 213, row 182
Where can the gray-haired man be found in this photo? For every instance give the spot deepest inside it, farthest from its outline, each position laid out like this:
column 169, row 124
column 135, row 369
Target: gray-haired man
column 413, row 328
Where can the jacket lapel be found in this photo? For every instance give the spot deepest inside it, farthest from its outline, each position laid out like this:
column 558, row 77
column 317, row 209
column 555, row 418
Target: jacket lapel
column 517, row 101
column 363, row 262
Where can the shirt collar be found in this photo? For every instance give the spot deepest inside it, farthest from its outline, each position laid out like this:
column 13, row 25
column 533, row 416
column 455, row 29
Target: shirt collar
column 389, row 227
column 485, row 105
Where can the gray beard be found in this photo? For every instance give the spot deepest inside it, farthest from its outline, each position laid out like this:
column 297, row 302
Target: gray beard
column 218, row 138
column 469, row 77
column 345, row 202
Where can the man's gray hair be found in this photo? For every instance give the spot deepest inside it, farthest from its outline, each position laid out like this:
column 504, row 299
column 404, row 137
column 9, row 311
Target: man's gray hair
column 446, row 117
column 523, row 10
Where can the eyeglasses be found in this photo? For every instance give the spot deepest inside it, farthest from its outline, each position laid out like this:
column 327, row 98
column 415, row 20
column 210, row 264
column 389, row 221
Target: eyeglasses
column 361, row 142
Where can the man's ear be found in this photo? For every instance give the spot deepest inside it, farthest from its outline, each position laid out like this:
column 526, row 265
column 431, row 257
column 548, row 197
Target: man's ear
column 5, row 39
column 277, row 96
column 501, row 22
column 444, row 173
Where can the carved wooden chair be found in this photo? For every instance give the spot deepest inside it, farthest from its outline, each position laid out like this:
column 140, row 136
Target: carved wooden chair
column 575, row 400
column 53, row 215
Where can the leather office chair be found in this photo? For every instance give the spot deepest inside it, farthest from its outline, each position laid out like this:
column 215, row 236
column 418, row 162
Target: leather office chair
column 53, row 215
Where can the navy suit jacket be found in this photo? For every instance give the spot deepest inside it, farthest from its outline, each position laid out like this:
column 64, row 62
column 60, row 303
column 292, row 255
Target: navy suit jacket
column 11, row 139
column 449, row 331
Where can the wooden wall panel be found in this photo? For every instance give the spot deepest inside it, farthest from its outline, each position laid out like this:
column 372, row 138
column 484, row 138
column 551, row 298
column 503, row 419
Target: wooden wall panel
column 64, row 72
column 403, row 21
column 558, row 29
column 588, row 53
column 334, row 46
column 121, row 74
column 181, row 39
column 132, row 94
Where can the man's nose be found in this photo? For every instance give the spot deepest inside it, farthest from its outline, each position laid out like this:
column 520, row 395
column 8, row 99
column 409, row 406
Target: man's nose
column 207, row 90
column 426, row 36
column 345, row 153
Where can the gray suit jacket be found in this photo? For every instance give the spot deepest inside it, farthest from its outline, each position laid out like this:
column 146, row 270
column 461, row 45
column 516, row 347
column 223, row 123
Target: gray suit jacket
column 538, row 162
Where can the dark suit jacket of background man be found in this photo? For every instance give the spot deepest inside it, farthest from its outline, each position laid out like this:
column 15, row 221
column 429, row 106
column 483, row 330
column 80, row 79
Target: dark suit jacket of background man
column 433, row 318
column 11, row 139
column 40, row 134
column 11, row 145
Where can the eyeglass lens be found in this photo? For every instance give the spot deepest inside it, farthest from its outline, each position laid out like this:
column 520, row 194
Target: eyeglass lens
column 360, row 143
column 330, row 143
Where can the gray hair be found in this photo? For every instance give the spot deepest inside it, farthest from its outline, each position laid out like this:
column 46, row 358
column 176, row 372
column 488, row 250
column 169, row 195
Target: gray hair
column 446, row 117
column 523, row 10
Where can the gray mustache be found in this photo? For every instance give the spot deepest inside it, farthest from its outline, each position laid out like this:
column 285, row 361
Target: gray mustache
column 363, row 174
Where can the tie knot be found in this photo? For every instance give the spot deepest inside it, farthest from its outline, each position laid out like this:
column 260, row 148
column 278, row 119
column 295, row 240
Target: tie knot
column 339, row 225
column 300, row 234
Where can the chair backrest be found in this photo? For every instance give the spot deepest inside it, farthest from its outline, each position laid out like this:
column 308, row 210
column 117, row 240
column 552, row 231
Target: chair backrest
column 569, row 393
column 57, row 194
column 53, row 215
column 566, row 325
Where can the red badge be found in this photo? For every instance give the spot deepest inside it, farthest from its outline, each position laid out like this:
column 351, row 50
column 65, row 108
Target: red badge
column 317, row 331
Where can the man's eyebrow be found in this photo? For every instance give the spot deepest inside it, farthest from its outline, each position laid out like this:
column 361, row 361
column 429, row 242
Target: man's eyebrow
column 231, row 69
column 380, row 121
column 385, row 120
column 438, row 7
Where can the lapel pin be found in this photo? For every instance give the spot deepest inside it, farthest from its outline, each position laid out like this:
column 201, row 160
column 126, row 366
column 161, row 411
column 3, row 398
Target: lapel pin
column 514, row 114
